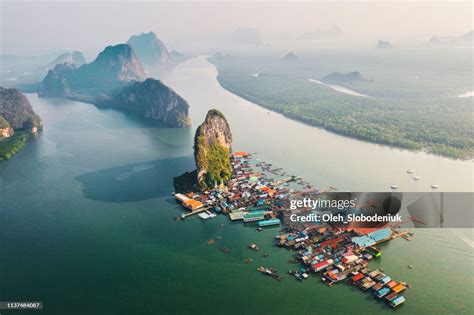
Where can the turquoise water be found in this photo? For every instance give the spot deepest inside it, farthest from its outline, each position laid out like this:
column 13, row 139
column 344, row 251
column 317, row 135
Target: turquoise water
column 87, row 219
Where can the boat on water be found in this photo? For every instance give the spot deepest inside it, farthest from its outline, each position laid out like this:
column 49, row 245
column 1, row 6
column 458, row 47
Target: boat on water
column 301, row 276
column 434, row 186
column 410, row 171
column 416, row 177
column 394, row 187
column 254, row 247
column 270, row 272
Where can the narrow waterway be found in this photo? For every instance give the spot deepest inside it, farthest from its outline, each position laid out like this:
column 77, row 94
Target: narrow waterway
column 322, row 157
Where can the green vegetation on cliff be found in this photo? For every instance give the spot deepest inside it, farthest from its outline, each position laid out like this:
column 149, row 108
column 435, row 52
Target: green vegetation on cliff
column 212, row 149
column 12, row 145
column 215, row 159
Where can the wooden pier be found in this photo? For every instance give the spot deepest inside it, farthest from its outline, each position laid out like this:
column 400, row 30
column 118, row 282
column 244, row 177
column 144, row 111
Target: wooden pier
column 284, row 180
column 185, row 215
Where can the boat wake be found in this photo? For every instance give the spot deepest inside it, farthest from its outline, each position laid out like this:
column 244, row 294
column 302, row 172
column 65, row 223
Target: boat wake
column 339, row 88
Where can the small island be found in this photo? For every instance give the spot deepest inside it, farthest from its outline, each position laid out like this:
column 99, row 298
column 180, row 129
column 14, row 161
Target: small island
column 17, row 122
column 344, row 78
column 152, row 100
column 116, row 79
column 212, row 152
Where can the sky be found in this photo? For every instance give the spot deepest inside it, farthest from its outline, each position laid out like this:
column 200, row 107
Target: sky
column 89, row 26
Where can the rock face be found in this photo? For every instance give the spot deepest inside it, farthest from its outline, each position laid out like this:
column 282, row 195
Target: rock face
column 5, row 129
column 153, row 100
column 55, row 84
column 290, row 57
column 434, row 41
column 342, row 78
column 75, row 58
column 113, row 68
column 151, row 52
column 17, row 111
column 212, row 149
column 383, row 44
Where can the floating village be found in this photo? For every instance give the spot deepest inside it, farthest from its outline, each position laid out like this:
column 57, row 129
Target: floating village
column 333, row 254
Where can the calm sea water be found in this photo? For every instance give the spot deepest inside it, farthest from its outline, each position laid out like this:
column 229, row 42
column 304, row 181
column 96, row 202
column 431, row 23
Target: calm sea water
column 87, row 219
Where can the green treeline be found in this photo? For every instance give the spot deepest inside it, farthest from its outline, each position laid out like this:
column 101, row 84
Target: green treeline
column 214, row 158
column 12, row 145
column 440, row 126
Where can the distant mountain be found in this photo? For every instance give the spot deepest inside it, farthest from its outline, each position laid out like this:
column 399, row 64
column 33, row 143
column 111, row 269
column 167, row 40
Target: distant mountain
column 383, row 44
column 464, row 40
column 290, row 57
column 152, row 99
column 434, row 41
column 344, row 78
column 332, row 32
column 177, row 56
column 16, row 110
column 75, row 58
column 27, row 77
column 468, row 36
column 113, row 68
column 151, row 52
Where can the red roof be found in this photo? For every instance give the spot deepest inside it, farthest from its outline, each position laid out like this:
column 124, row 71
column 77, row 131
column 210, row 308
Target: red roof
column 320, row 264
column 357, row 277
column 332, row 242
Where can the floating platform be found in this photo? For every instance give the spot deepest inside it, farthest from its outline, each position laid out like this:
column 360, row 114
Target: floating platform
column 269, row 222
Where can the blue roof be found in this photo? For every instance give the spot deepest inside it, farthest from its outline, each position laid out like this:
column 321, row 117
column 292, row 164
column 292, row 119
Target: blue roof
column 386, row 280
column 363, row 241
column 380, row 234
column 398, row 300
column 372, row 238
column 269, row 222
column 383, row 291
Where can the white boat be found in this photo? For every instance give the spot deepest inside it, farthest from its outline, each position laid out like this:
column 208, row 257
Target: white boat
column 410, row 171
column 416, row 177
column 394, row 187
column 434, row 186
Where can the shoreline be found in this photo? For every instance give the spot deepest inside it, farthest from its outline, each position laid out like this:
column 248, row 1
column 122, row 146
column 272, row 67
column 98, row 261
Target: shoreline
column 333, row 130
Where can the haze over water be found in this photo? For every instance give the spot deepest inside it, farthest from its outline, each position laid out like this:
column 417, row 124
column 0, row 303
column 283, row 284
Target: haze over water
column 323, row 158
column 87, row 215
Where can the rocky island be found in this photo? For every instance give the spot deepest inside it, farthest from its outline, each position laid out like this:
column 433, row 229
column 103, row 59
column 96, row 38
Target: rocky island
column 17, row 122
column 290, row 57
column 212, row 152
column 115, row 80
column 113, row 68
column 76, row 58
column 152, row 99
column 151, row 52
column 344, row 78
column 212, row 149
column 382, row 44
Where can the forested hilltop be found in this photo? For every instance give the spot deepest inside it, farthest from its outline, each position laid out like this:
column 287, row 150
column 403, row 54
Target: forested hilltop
column 439, row 124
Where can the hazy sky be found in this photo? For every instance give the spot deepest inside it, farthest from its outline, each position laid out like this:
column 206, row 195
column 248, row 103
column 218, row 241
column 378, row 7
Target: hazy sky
column 28, row 27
